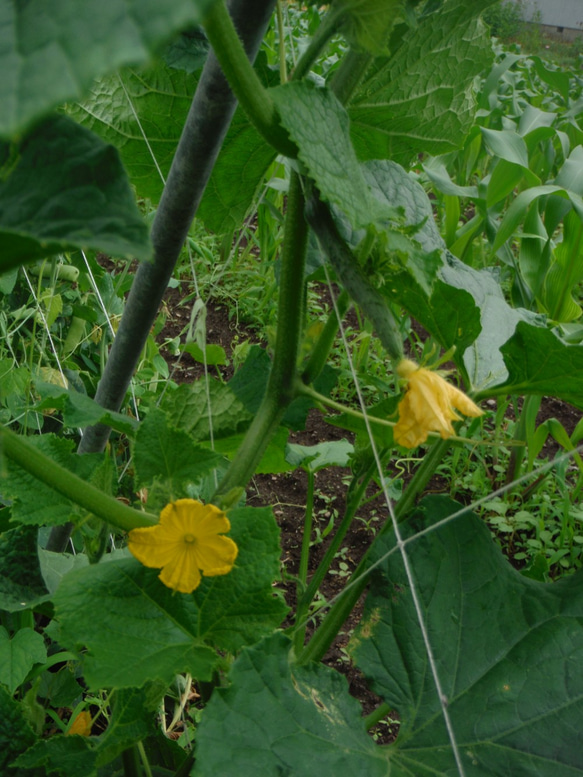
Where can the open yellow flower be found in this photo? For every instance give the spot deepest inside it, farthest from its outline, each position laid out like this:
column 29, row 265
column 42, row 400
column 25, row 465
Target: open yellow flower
column 186, row 542
column 429, row 405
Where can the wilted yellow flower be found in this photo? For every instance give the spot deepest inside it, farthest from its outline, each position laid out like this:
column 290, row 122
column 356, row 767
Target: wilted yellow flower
column 428, row 406
column 81, row 725
column 186, row 542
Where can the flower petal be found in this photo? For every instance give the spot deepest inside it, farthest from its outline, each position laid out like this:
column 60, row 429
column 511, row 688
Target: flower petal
column 151, row 546
column 428, row 406
column 182, row 573
column 216, row 555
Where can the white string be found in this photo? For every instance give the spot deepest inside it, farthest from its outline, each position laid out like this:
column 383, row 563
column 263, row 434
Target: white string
column 399, row 543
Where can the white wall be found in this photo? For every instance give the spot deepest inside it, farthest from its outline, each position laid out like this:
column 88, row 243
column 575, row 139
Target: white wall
column 556, row 13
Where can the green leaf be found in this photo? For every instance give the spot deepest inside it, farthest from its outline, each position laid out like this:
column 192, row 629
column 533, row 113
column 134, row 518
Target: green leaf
column 517, row 211
column 187, row 409
column 335, row 453
column 19, row 654
column 212, row 354
column 137, row 630
column 141, row 113
column 8, row 281
column 422, row 100
column 565, row 272
column 539, row 362
column 35, row 502
column 80, row 411
column 60, row 688
column 319, row 125
column 507, row 145
column 67, row 190
column 273, row 460
column 54, row 566
column 61, row 755
column 134, row 628
column 241, row 165
column 15, row 734
column 51, row 54
column 508, row 650
column 21, row 583
column 164, row 453
column 277, row 718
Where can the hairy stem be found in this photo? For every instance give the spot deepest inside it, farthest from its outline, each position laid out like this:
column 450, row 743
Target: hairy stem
column 254, row 98
column 90, row 498
column 319, row 355
column 280, row 389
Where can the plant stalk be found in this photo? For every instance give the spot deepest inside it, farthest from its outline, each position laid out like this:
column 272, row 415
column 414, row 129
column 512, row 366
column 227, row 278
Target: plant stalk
column 71, row 486
column 281, row 385
column 319, row 355
column 250, row 92
column 341, row 609
column 310, row 592
column 329, row 26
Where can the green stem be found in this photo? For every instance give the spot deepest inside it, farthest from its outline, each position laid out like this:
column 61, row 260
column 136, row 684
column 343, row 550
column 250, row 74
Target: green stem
column 332, row 623
column 323, row 637
column 90, row 498
column 131, row 763
column 319, row 355
column 421, row 478
column 329, row 26
column 352, row 506
column 300, row 632
column 281, row 31
column 243, row 80
column 349, row 75
column 377, row 715
column 281, row 387
column 144, row 759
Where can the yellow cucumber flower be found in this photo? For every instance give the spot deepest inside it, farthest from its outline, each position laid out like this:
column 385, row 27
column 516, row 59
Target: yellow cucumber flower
column 186, row 542
column 429, row 405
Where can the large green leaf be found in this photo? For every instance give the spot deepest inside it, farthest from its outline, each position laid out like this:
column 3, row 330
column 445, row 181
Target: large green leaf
column 241, row 165
column 280, row 719
column 422, row 100
column 508, row 651
column 187, row 408
column 539, row 362
column 141, row 113
column 21, row 582
column 137, row 630
column 19, row 654
column 65, row 189
column 162, row 452
column 50, row 54
column 466, row 307
column 319, row 125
